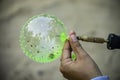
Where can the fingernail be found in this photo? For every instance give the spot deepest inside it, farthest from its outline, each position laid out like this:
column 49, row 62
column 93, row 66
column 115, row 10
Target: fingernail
column 73, row 36
column 72, row 32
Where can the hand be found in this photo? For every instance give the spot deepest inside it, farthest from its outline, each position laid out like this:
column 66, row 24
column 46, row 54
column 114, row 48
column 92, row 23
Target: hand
column 83, row 67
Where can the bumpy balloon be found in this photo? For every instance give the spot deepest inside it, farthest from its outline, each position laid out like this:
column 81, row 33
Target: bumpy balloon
column 42, row 38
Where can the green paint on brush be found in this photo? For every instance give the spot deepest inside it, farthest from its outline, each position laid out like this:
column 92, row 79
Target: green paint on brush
column 63, row 37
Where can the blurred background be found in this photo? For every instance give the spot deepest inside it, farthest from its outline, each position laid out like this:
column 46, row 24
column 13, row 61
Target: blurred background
column 86, row 17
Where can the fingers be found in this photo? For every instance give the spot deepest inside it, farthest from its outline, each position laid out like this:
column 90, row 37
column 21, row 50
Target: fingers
column 66, row 52
column 76, row 47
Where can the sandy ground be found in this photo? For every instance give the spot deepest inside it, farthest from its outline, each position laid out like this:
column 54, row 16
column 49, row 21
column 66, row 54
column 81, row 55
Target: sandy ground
column 90, row 17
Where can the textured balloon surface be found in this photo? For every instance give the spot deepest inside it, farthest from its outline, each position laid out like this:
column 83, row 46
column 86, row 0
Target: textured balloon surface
column 42, row 38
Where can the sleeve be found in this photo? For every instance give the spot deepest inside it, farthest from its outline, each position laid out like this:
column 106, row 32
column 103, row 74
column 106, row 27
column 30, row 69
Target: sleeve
column 101, row 78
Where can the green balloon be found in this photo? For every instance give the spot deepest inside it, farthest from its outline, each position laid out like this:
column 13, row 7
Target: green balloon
column 42, row 38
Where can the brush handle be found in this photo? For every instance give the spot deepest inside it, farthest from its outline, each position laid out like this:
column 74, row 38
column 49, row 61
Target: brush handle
column 91, row 39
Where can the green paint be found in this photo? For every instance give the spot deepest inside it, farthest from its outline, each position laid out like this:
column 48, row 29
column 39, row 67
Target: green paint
column 38, row 36
column 63, row 37
column 73, row 56
column 51, row 56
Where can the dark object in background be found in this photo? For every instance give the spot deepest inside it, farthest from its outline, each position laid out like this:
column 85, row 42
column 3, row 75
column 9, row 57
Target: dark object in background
column 113, row 41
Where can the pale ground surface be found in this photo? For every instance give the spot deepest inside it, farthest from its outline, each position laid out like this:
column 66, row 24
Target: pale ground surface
column 91, row 17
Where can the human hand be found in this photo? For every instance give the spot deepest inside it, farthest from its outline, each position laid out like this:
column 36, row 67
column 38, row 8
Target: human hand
column 83, row 67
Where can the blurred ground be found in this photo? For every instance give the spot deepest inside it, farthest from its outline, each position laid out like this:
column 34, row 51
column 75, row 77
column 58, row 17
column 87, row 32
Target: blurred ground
column 91, row 17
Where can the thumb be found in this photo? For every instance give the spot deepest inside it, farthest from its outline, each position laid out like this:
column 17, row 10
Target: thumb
column 76, row 47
